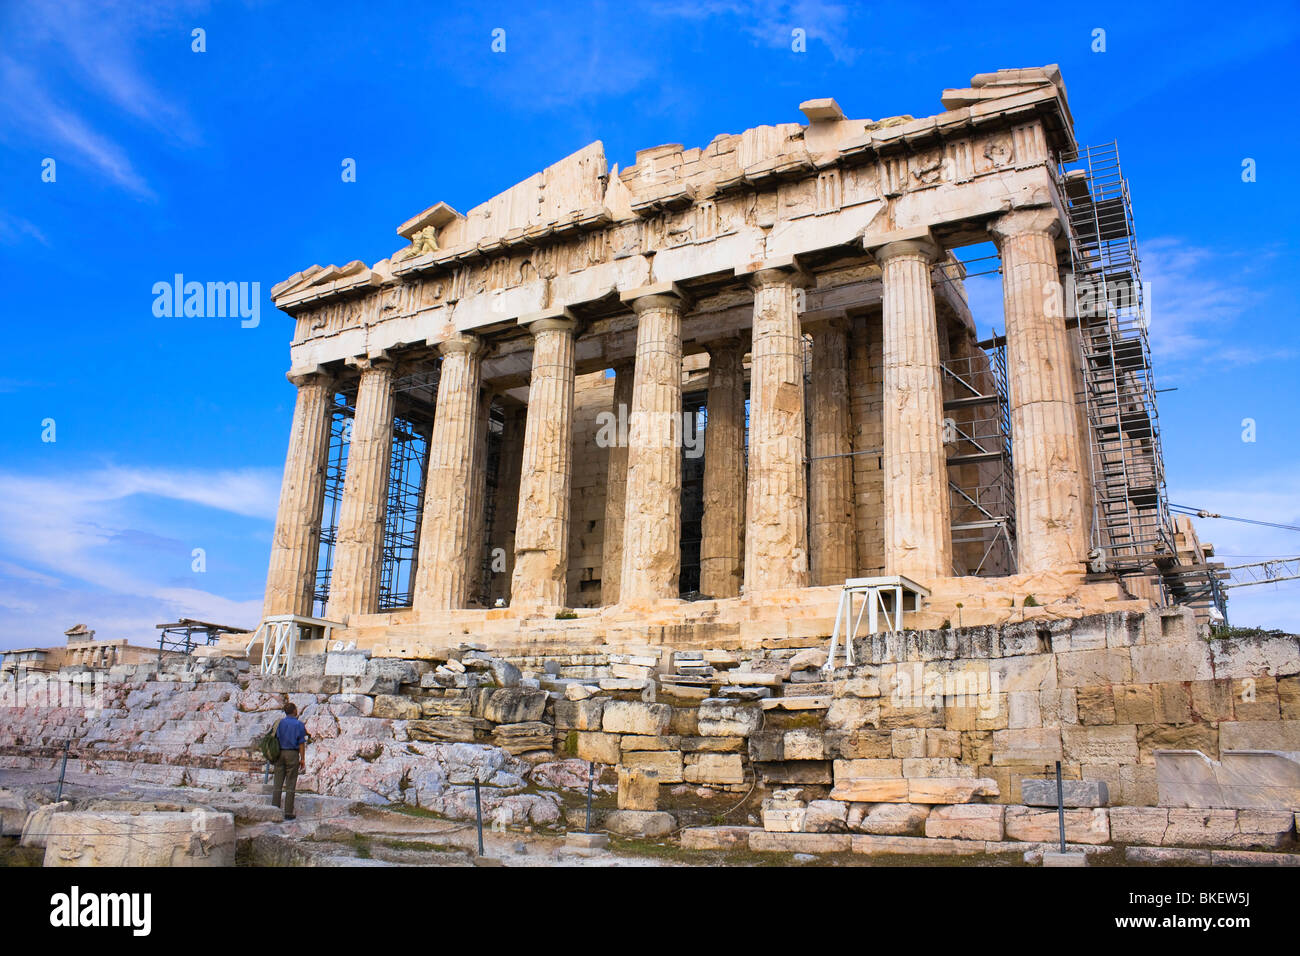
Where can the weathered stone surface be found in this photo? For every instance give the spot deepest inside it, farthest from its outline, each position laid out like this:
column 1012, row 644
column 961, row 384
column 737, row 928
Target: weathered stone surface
column 584, row 714
column 717, row 838
column 725, row 718
column 826, row 816
column 640, row 823
column 40, row 822
column 891, row 819
column 1076, row 793
column 914, row 846
column 667, row 763
column 1266, row 780
column 523, row 737
column 1100, row 745
column 511, row 705
column 971, row 821
column 638, row 789
column 602, row 748
column 795, row 772
column 950, row 789
column 1260, row 735
column 396, row 708
column 714, row 768
column 764, row 841
column 1161, row 826
column 142, row 839
column 462, row 729
column 1034, row 825
column 636, row 717
column 874, row 790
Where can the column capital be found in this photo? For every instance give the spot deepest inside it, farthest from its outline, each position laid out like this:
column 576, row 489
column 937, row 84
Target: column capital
column 556, row 318
column 917, row 242
column 726, row 344
column 1032, row 219
column 778, row 271
column 826, row 323
column 308, row 376
column 365, row 363
column 655, row 296
column 460, row 343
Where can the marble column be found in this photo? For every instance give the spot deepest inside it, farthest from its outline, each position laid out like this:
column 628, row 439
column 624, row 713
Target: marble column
column 359, row 548
column 918, row 529
column 652, row 515
column 831, row 535
column 723, row 523
column 616, row 487
column 446, row 554
column 478, row 534
column 295, row 549
column 776, row 503
column 1051, row 531
column 542, row 527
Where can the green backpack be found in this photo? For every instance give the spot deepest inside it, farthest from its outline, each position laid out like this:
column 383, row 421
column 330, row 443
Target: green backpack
column 269, row 744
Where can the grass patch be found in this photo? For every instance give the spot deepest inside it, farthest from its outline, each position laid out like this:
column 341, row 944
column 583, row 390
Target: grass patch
column 421, row 846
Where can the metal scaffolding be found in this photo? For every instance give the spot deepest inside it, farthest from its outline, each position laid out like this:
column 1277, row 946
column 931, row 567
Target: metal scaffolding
column 1132, row 529
column 414, row 400
column 186, row 634
column 492, row 489
column 977, row 439
column 336, row 466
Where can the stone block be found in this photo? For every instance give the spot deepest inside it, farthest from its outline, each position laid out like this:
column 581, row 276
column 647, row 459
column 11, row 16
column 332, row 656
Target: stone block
column 1255, row 656
column 826, row 816
column 586, row 841
column 1260, row 735
column 685, row 722
column 1157, row 663
column 524, row 737
column 1105, row 666
column 579, row 714
column 40, row 822
column 1211, row 699
column 891, row 819
column 802, row 772
column 853, row 713
column 450, row 729
column 1096, row 704
column 860, row 743
column 763, row 841
column 1135, row 704
column 118, row 839
column 1076, row 793
column 719, row 717
column 636, row 717
column 873, row 790
column 915, row 846
column 1153, row 737
column 1288, row 698
column 640, row 823
column 867, row 767
column 602, row 748
column 1036, row 747
column 950, row 789
column 510, row 705
column 1255, row 698
column 936, row 767
column 1114, row 745
column 1142, row 825
column 396, row 708
column 909, row 742
column 717, row 838
column 971, row 821
column 977, row 747
column 1067, row 859
column 784, row 819
column 1035, row 825
column 638, row 789
column 709, row 768
column 667, row 763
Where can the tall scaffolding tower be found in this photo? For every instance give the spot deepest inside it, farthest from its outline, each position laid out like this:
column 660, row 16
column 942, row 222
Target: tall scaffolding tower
column 1132, row 530
column 336, row 466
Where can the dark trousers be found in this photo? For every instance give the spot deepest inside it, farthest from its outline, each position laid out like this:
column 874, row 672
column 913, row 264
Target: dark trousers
column 286, row 778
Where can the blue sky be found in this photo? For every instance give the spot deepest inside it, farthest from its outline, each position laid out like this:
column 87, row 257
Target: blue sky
column 225, row 165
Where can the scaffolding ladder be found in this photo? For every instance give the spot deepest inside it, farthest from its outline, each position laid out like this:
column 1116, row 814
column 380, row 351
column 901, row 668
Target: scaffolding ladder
column 1132, row 529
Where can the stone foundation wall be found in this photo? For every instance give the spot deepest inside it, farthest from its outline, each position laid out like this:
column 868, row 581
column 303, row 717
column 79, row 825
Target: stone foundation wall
column 928, row 719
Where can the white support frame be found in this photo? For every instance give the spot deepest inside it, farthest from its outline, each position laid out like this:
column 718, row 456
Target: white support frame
column 280, row 634
column 872, row 591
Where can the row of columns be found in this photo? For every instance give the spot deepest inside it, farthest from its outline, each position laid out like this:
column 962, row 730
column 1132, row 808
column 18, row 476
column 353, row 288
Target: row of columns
column 642, row 552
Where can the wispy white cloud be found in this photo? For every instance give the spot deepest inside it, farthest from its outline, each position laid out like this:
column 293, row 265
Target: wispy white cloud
column 69, row 548
column 771, row 23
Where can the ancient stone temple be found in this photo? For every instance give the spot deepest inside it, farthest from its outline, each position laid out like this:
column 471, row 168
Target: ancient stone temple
column 694, row 395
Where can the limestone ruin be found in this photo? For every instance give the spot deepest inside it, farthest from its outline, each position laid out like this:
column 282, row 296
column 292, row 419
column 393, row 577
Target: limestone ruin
column 576, row 481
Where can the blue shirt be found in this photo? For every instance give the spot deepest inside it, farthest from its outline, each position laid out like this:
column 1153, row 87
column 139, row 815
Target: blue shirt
column 291, row 733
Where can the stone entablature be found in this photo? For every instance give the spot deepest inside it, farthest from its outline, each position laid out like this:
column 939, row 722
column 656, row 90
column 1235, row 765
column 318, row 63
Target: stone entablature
column 577, row 233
